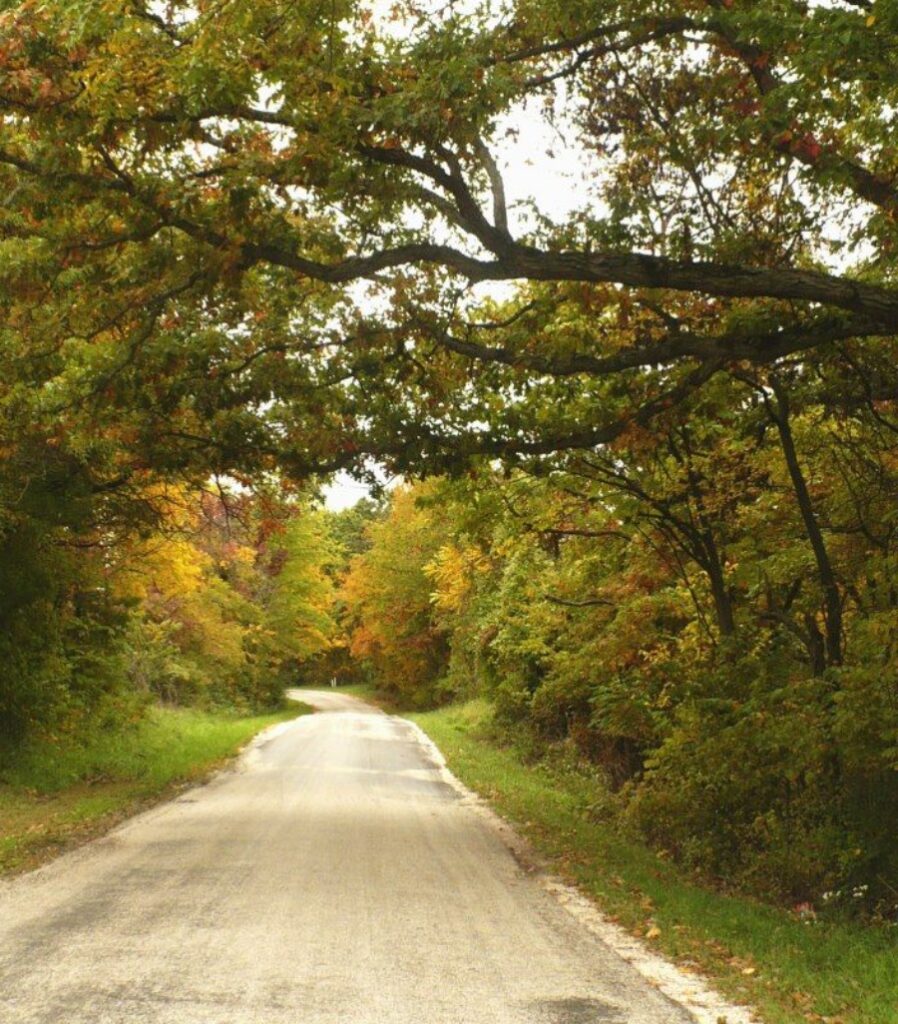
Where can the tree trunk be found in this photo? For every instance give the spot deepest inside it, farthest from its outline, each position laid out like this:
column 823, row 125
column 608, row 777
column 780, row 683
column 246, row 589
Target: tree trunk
column 723, row 604
column 832, row 597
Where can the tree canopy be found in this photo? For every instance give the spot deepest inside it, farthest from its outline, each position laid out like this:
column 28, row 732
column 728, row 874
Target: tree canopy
column 252, row 233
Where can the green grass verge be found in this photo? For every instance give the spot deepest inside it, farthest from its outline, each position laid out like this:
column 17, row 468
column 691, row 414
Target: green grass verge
column 53, row 796
column 792, row 972
column 369, row 692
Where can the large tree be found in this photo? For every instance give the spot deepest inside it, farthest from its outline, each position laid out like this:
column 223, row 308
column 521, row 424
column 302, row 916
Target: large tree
column 250, row 232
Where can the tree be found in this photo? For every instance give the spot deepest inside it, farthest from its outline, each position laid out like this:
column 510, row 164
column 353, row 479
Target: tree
column 387, row 593
column 299, row 608
column 211, row 185
column 261, row 241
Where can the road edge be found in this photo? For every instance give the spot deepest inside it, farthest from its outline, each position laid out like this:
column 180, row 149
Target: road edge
column 687, row 990
column 107, row 828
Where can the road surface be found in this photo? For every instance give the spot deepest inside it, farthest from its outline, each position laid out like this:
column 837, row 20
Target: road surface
column 334, row 876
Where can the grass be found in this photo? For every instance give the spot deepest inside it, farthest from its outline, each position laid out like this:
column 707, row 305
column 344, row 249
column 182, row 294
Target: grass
column 369, row 692
column 793, row 972
column 55, row 796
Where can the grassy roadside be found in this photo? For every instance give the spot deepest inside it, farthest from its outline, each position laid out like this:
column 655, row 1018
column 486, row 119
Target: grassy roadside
column 370, row 693
column 793, row 972
column 55, row 797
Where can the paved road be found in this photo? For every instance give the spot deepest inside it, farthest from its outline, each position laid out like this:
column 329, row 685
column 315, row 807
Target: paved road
column 333, row 877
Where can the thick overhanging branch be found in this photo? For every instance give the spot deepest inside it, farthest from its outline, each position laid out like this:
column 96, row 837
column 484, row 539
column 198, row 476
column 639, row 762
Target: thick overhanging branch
column 593, row 44
column 758, row 348
column 505, row 259
column 760, row 65
column 872, row 303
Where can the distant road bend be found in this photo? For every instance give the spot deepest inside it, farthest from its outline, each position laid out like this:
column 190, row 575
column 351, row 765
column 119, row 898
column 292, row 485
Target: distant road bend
column 333, row 877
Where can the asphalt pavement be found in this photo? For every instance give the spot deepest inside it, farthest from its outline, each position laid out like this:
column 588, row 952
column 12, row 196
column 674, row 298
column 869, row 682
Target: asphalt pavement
column 333, row 876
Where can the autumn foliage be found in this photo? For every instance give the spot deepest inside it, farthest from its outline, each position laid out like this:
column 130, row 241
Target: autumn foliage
column 622, row 277
column 586, row 605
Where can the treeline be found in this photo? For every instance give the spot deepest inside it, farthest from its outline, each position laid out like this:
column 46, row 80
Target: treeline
column 708, row 612
column 251, row 243
column 705, row 616
column 118, row 592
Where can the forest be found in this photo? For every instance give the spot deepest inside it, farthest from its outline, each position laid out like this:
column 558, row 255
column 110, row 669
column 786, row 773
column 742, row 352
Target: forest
column 598, row 299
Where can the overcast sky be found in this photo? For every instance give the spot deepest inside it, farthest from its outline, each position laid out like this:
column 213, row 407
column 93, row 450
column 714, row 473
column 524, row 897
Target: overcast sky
column 537, row 165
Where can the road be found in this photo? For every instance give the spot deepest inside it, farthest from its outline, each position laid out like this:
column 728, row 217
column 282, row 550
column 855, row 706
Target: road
column 333, row 876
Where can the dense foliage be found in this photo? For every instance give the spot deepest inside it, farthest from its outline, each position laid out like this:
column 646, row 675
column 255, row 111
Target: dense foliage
column 252, row 233
column 200, row 599
column 625, row 271
column 660, row 612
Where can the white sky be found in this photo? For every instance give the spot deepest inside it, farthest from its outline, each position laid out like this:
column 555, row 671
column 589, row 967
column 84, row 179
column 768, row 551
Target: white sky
column 343, row 492
column 547, row 169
